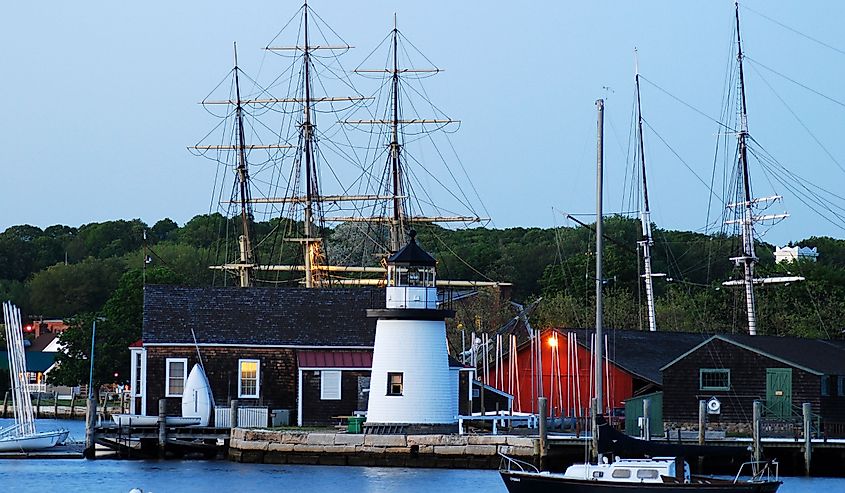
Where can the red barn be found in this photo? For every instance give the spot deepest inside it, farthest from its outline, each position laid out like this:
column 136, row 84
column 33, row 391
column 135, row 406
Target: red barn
column 632, row 366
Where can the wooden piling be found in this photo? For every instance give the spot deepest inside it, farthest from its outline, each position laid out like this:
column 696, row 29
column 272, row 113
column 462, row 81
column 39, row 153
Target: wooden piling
column 807, row 409
column 646, row 419
column 37, row 405
column 162, row 426
column 233, row 414
column 55, row 405
column 702, row 421
column 542, row 405
column 90, row 421
column 72, row 404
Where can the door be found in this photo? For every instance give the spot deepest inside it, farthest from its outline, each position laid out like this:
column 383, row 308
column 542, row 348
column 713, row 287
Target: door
column 779, row 392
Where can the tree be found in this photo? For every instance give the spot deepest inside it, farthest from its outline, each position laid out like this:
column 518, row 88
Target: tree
column 118, row 326
column 67, row 290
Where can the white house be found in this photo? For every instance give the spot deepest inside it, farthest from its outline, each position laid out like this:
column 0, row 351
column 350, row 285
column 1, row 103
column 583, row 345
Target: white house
column 791, row 254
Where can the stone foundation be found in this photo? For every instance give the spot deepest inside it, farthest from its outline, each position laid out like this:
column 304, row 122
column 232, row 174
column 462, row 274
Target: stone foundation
column 452, row 451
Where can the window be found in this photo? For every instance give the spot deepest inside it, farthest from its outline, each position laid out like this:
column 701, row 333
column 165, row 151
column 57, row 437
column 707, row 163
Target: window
column 249, row 378
column 714, row 379
column 394, row 384
column 138, row 371
column 825, row 385
column 330, row 385
column 598, row 474
column 176, row 371
column 647, row 474
column 621, row 473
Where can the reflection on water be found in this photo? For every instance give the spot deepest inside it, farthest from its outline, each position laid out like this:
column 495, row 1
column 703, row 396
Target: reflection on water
column 119, row 476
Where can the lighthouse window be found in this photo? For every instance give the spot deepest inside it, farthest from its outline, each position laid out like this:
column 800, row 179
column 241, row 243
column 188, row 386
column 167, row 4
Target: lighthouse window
column 394, row 383
column 248, row 378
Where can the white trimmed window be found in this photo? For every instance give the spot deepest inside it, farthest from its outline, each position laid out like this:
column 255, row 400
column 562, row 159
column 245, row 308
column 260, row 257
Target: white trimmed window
column 249, row 378
column 137, row 373
column 330, row 385
column 175, row 373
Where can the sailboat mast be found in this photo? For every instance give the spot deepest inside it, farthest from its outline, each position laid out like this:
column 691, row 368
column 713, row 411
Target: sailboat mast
column 748, row 258
column 396, row 220
column 647, row 241
column 307, row 135
column 598, row 347
column 244, row 244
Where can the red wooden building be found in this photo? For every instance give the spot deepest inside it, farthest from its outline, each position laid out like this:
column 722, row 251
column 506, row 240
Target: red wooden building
column 634, row 359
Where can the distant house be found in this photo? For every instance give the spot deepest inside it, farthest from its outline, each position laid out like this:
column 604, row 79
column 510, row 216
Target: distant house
column 792, row 254
column 38, row 364
column 737, row 369
column 305, row 351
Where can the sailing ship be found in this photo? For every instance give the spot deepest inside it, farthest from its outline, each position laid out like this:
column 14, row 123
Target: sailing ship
column 284, row 174
column 23, row 435
column 662, row 472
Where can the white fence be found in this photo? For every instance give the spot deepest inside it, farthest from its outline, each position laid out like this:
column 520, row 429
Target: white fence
column 248, row 417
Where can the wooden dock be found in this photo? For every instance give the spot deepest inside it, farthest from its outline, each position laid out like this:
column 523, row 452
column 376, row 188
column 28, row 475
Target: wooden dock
column 145, row 441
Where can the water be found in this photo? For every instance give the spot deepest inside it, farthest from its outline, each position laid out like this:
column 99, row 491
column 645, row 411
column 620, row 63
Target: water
column 119, row 476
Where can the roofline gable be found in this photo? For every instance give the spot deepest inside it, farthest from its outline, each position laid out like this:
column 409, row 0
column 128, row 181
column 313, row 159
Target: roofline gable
column 747, row 348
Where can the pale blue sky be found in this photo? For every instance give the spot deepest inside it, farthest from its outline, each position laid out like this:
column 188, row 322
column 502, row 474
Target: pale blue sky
column 101, row 98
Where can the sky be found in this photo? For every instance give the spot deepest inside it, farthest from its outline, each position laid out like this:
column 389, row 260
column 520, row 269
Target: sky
column 101, row 100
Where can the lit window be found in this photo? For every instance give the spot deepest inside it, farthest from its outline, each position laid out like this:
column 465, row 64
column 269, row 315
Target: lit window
column 394, row 384
column 330, row 385
column 248, row 378
column 176, row 370
column 621, row 473
column 714, row 379
column 647, row 474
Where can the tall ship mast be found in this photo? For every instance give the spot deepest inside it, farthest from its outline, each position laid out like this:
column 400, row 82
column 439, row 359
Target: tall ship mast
column 281, row 179
column 745, row 206
column 647, row 240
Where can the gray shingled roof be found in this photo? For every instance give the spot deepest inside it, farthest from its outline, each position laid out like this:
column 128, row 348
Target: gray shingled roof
column 824, row 356
column 644, row 353
column 260, row 316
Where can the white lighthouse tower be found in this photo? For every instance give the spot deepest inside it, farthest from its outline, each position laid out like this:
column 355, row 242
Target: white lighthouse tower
column 410, row 382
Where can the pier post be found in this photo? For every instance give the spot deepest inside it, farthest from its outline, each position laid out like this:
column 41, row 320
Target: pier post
column 807, row 409
column 646, row 420
column 702, row 421
column 542, row 405
column 233, row 414
column 37, row 405
column 162, row 426
column 757, row 415
column 90, row 421
column 5, row 403
column 55, row 405
column 72, row 403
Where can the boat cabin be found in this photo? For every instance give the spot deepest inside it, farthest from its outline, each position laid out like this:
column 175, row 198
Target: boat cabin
column 628, row 470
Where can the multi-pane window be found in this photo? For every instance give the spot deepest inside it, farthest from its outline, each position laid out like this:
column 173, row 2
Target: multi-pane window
column 248, row 378
column 394, row 384
column 176, row 371
column 330, row 385
column 714, row 379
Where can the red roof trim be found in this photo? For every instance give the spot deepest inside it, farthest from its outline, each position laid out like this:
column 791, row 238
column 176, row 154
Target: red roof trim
column 334, row 359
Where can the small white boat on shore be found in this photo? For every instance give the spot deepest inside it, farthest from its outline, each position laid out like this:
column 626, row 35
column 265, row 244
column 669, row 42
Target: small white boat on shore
column 197, row 400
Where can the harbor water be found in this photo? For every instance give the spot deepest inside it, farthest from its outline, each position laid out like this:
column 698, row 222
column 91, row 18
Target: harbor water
column 120, row 476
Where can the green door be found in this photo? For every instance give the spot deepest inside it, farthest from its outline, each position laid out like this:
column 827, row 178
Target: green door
column 779, row 391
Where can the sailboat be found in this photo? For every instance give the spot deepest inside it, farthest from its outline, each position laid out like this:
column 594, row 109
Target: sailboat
column 613, row 474
column 352, row 168
column 22, row 436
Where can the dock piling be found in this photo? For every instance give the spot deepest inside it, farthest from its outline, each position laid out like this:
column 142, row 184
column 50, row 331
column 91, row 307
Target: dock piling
column 233, row 414
column 542, row 405
column 646, row 431
column 72, row 405
column 807, row 409
column 37, row 405
column 90, row 420
column 757, row 415
column 55, row 405
column 162, row 426
column 702, row 421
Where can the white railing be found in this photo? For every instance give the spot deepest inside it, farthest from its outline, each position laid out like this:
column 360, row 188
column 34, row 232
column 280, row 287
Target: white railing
column 34, row 388
column 248, row 417
column 530, row 421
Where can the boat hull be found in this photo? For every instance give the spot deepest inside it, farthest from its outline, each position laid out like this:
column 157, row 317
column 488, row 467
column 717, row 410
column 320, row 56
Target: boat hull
column 137, row 420
column 39, row 441
column 519, row 482
column 197, row 400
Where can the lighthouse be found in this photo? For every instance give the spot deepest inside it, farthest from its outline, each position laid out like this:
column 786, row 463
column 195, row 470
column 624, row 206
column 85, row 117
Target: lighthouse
column 411, row 384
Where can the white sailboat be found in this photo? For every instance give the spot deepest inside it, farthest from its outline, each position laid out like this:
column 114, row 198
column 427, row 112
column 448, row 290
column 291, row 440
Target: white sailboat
column 22, row 436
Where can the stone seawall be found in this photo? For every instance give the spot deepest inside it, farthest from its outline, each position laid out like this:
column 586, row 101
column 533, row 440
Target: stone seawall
column 450, row 451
